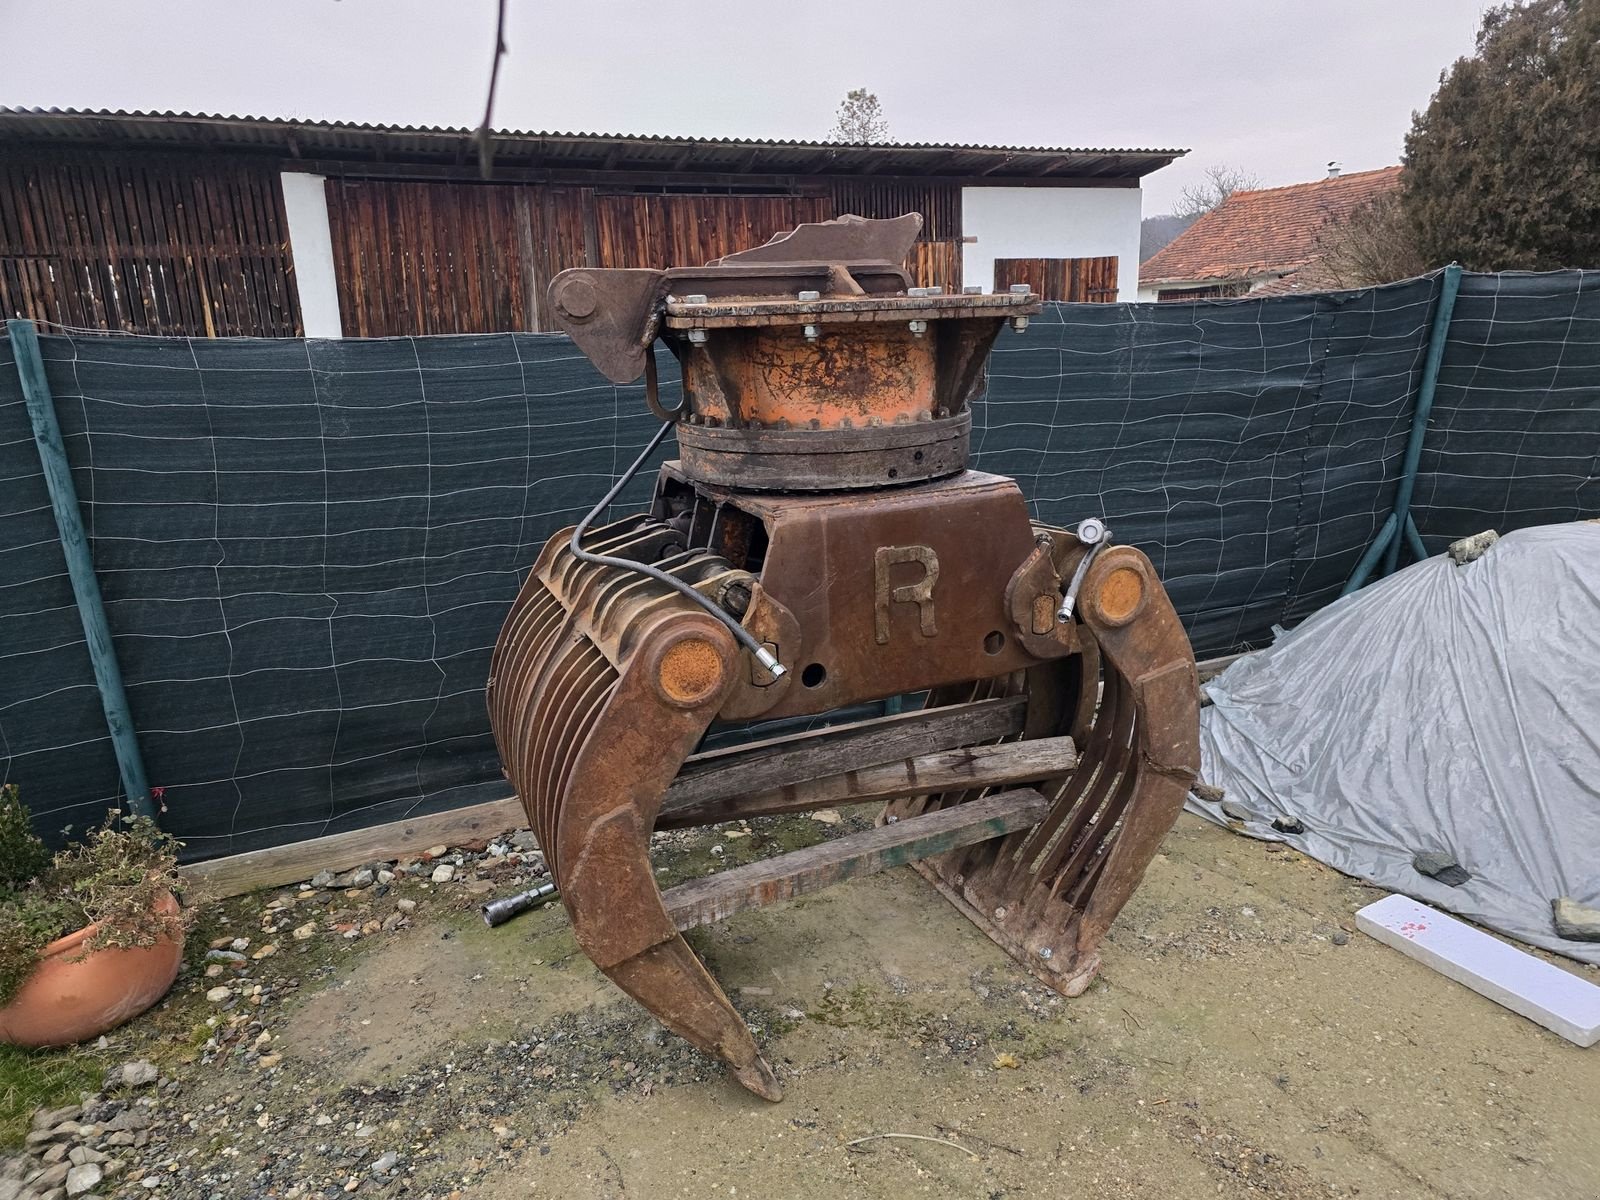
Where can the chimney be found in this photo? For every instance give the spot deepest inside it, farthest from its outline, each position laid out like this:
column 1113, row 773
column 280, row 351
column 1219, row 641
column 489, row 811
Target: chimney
column 1333, row 169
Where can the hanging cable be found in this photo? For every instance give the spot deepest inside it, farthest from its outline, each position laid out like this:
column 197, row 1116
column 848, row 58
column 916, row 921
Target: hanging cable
column 746, row 639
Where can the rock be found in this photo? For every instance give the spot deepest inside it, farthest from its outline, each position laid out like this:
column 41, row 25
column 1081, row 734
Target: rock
column 826, row 815
column 54, row 1154
column 1340, row 937
column 361, row 878
column 239, row 945
column 308, row 930
column 323, row 879
column 266, row 951
column 436, row 852
column 218, row 994
column 224, row 956
column 50, row 1177
column 1236, row 811
column 1289, row 825
column 267, row 1061
column 82, row 1154
column 525, row 839
column 1207, row 792
column 84, row 1178
column 1440, row 865
column 139, row 1073
column 443, row 873
column 386, row 876
column 480, row 887
column 215, row 970
column 49, row 1118
column 406, row 906
column 385, row 1163
column 1469, row 549
column 1576, row 922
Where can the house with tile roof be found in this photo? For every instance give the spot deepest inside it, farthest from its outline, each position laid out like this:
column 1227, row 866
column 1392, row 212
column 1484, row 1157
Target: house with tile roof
column 1266, row 240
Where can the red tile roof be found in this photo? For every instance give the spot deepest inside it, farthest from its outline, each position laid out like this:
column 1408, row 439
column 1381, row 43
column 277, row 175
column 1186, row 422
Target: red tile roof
column 1259, row 232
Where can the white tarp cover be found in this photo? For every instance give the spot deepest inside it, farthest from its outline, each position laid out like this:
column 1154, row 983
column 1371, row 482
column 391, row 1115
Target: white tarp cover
column 1452, row 708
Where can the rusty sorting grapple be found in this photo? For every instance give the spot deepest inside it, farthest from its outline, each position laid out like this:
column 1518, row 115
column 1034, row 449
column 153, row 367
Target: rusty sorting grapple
column 820, row 544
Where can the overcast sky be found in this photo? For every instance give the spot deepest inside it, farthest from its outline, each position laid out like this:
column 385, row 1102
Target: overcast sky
column 1277, row 87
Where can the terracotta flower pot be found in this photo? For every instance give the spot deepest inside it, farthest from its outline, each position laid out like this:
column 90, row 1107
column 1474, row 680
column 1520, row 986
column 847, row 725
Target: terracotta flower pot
column 70, row 998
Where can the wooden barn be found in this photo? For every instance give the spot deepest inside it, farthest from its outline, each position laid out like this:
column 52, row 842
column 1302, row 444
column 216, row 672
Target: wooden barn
column 173, row 223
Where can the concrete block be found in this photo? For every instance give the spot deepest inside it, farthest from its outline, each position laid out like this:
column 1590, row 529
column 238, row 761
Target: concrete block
column 1529, row 986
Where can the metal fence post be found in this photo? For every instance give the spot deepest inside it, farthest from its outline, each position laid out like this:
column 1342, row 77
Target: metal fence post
column 80, row 566
column 1405, row 529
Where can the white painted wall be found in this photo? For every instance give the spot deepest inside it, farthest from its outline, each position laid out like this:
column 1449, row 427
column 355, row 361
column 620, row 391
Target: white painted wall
column 305, row 203
column 1051, row 222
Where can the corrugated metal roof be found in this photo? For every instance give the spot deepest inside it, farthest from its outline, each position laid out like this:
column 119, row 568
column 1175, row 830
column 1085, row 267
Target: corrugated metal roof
column 428, row 144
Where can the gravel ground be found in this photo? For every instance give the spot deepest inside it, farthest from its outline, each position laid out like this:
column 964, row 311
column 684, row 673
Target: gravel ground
column 368, row 1035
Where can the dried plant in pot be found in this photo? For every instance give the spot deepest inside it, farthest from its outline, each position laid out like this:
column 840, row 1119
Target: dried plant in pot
column 89, row 937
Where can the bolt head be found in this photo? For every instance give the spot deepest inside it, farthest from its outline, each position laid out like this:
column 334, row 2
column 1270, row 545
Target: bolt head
column 811, row 332
column 974, row 290
column 1021, row 289
column 808, row 297
column 918, row 328
column 697, row 298
column 1018, row 324
column 698, row 337
column 1091, row 531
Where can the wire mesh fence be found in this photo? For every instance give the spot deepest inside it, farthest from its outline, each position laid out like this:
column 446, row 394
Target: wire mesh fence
column 306, row 547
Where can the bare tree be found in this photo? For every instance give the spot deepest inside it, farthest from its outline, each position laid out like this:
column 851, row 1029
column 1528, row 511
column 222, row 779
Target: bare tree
column 1375, row 244
column 860, row 119
column 1221, row 181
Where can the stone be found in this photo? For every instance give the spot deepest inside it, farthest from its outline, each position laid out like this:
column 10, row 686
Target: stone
column 218, row 994
column 1470, row 549
column 49, row 1118
column 84, row 1178
column 443, row 873
column 266, row 951
column 385, row 1163
column 1576, row 922
column 1236, row 811
column 1340, row 937
column 385, row 876
column 362, row 878
column 1440, row 865
column 436, row 852
column 83, row 1154
column 323, row 879
column 1207, row 792
column 50, row 1177
column 54, row 1154
column 406, row 906
column 480, row 887
column 1289, row 825
column 139, row 1073
column 308, row 930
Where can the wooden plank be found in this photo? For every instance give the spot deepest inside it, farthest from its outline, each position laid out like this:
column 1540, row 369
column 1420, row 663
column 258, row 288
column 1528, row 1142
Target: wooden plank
column 969, row 768
column 764, row 765
column 716, row 897
column 280, row 865
column 1560, row 1001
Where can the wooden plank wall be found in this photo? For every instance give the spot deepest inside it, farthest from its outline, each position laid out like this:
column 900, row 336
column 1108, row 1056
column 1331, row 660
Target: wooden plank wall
column 1076, row 280
column 146, row 244
column 421, row 258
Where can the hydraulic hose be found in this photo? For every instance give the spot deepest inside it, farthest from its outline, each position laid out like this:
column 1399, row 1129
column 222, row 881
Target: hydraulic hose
column 746, row 639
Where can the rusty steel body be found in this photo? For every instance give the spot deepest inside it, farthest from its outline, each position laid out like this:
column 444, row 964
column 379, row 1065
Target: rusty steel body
column 822, row 499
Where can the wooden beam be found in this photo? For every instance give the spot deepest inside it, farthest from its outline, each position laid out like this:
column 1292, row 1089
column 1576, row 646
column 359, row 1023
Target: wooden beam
column 719, row 896
column 777, row 762
column 280, row 865
column 946, row 771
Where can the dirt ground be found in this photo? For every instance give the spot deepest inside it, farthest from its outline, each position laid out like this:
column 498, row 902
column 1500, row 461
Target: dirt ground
column 1242, row 1040
column 1230, row 1047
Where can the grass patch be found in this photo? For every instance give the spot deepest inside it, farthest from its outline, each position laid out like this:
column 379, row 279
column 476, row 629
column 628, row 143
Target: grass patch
column 35, row 1079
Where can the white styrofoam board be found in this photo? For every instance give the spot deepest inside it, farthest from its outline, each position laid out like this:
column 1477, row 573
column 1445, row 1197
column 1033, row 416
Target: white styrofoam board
column 1529, row 986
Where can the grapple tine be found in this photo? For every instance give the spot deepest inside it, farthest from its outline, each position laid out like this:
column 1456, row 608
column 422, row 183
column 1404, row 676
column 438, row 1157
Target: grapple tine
column 820, row 545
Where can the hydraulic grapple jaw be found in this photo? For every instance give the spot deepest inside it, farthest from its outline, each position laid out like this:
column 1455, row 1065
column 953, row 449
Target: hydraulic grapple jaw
column 822, row 515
